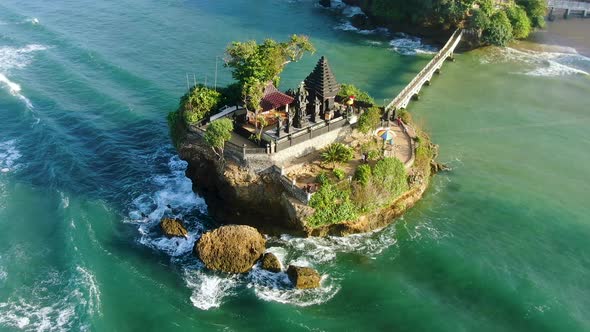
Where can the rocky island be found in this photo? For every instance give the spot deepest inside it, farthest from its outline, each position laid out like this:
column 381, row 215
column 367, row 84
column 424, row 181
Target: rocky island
column 321, row 159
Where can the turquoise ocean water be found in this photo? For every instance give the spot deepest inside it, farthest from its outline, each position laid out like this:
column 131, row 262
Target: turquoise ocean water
column 498, row 244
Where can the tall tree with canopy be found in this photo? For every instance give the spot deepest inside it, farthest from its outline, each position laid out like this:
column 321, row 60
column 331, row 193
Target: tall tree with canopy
column 253, row 65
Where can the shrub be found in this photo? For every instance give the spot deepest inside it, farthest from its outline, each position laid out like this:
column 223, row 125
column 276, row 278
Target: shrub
column 339, row 174
column 332, row 205
column 373, row 155
column 405, row 116
column 363, row 174
column 369, row 120
column 218, row 132
column 199, row 103
column 391, row 175
column 322, row 178
column 347, row 90
column 337, row 153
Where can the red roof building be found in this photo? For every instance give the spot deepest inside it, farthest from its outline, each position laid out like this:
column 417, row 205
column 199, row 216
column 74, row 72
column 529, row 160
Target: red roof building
column 274, row 99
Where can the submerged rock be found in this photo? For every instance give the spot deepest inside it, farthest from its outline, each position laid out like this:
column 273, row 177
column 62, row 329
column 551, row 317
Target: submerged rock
column 271, row 263
column 173, row 228
column 326, row 3
column 303, row 277
column 232, row 249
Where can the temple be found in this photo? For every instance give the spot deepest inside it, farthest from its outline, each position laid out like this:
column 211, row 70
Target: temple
column 322, row 85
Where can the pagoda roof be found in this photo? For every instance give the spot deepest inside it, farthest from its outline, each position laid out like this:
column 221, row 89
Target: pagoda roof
column 273, row 98
column 322, row 81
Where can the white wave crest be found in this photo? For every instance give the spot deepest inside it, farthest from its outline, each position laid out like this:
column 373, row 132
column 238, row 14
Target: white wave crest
column 277, row 287
column 409, row 45
column 209, row 290
column 43, row 313
column 173, row 197
column 9, row 154
column 564, row 62
column 16, row 58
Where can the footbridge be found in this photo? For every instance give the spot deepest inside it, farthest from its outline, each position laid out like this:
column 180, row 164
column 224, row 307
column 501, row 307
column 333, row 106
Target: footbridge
column 425, row 76
column 582, row 7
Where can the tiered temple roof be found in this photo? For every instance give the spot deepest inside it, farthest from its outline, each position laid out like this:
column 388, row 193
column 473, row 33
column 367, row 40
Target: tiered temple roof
column 321, row 82
column 273, row 98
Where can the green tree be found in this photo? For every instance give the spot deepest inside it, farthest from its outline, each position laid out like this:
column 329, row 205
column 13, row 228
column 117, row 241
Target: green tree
column 218, row 132
column 199, row 102
column 499, row 31
column 479, row 20
column 337, row 153
column 250, row 61
column 536, row 10
column 369, row 120
column 521, row 24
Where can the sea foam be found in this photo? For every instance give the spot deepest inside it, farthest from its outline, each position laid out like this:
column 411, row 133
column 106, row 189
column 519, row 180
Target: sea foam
column 564, row 62
column 12, row 58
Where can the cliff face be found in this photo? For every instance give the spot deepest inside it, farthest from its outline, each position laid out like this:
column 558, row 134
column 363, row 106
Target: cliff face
column 235, row 195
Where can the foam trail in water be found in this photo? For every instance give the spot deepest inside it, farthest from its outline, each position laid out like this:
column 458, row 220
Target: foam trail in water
column 542, row 63
column 9, row 154
column 12, row 58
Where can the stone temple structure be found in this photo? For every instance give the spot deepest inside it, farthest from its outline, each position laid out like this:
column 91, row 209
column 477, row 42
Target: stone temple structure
column 322, row 84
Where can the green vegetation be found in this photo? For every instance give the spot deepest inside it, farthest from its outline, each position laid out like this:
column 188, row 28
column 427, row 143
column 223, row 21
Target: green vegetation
column 390, row 175
column 339, row 174
column 371, row 189
column 404, row 115
column 520, row 22
column 499, row 30
column 337, row 153
column 363, row 174
column 197, row 104
column 347, row 90
column 524, row 15
column 253, row 65
column 369, row 120
column 332, row 205
column 218, row 132
column 322, row 178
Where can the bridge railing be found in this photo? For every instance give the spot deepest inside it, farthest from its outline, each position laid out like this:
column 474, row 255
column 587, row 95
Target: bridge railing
column 441, row 55
column 569, row 4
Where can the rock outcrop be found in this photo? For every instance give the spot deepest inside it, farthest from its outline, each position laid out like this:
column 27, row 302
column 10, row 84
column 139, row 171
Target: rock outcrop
column 304, row 277
column 232, row 249
column 173, row 228
column 271, row 263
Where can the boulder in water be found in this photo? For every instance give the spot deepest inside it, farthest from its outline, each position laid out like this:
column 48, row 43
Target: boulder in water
column 303, row 277
column 173, row 228
column 232, row 249
column 271, row 263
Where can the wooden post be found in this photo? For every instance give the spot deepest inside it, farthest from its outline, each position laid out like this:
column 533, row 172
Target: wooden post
column 244, row 151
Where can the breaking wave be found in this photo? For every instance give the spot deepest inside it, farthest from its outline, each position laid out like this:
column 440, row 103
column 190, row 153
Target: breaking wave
column 409, row 45
column 81, row 298
column 171, row 195
column 12, row 58
column 542, row 63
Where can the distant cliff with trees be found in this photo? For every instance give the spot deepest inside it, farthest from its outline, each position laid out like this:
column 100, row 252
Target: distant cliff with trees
column 496, row 22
